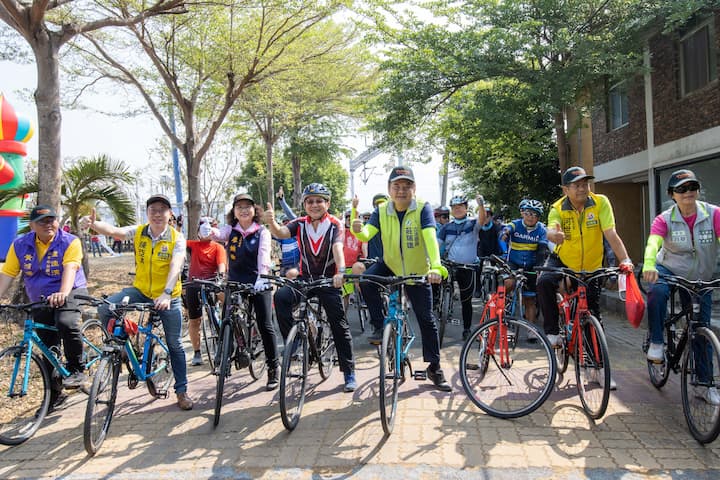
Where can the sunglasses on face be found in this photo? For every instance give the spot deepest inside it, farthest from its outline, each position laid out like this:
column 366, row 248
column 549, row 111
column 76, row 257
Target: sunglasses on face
column 692, row 187
column 529, row 213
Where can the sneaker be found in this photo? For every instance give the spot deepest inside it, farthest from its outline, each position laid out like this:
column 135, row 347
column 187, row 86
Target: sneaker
column 375, row 338
column 656, row 353
column 184, row 401
column 350, row 382
column 272, row 381
column 75, row 380
column 196, row 360
column 711, row 396
column 554, row 339
column 465, row 334
column 438, row 378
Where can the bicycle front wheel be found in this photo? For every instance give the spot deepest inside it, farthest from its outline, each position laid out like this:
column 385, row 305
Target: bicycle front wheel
column 223, row 370
column 256, row 350
column 505, row 382
column 101, row 403
column 293, row 377
column 159, row 370
column 389, row 377
column 700, row 378
column 592, row 367
column 24, row 399
column 210, row 326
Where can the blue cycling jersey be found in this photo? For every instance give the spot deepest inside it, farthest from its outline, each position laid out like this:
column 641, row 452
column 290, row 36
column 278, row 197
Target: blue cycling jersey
column 525, row 242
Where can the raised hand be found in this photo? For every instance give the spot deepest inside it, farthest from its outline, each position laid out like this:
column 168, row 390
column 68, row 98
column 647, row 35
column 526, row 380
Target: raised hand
column 269, row 214
column 355, row 201
column 280, row 193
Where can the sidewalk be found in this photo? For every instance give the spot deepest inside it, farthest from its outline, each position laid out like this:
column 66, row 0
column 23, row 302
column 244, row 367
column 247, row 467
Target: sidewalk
column 436, row 435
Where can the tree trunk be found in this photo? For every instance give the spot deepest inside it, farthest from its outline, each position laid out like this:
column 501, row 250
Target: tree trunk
column 194, row 201
column 561, row 136
column 47, row 100
column 297, row 181
column 269, row 140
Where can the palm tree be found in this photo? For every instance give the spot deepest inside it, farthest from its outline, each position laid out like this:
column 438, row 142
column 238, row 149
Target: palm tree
column 87, row 182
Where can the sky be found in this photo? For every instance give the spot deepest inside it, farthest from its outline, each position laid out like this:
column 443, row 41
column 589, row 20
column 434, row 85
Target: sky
column 132, row 140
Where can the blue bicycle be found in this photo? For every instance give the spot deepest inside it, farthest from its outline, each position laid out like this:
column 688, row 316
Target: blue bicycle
column 29, row 369
column 151, row 365
column 398, row 337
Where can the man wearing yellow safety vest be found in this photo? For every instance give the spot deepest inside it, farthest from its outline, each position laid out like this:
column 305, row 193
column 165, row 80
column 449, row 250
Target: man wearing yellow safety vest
column 159, row 258
column 576, row 224
column 410, row 247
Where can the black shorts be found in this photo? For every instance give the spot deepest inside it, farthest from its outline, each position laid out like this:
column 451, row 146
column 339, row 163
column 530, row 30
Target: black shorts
column 531, row 276
column 192, row 301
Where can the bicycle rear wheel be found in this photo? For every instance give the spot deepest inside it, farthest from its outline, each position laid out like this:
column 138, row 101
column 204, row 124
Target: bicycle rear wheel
column 101, row 403
column 326, row 348
column 592, row 367
column 561, row 351
column 210, row 331
column 158, row 366
column 501, row 388
column 445, row 311
column 223, row 370
column 700, row 373
column 389, row 377
column 94, row 337
column 21, row 413
column 293, row 377
column 256, row 350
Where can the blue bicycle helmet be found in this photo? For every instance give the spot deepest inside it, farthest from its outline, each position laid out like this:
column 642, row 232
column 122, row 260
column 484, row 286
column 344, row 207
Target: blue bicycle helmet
column 316, row 190
column 534, row 205
column 458, row 200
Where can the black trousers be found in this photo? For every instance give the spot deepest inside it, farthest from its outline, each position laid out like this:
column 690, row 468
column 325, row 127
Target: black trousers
column 421, row 299
column 262, row 304
column 331, row 301
column 547, row 287
column 68, row 321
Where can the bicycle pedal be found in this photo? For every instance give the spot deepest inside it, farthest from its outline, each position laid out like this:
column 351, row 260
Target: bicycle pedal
column 420, row 375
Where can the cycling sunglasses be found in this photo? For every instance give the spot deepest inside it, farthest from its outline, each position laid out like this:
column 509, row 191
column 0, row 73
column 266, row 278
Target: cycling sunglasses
column 693, row 187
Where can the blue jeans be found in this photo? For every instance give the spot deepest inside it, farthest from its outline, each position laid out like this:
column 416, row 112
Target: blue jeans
column 657, row 312
column 172, row 325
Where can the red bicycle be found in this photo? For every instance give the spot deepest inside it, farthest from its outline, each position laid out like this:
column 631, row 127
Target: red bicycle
column 583, row 338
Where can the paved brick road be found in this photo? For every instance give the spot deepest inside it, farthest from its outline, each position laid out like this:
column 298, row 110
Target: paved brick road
column 339, row 436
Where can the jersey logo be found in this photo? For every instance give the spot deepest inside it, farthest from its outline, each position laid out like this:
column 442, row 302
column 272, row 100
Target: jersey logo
column 316, row 237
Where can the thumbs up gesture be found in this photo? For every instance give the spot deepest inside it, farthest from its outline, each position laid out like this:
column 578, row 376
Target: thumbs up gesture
column 88, row 221
column 269, row 214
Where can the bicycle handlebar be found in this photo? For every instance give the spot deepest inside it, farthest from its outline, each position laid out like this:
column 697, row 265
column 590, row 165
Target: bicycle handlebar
column 117, row 307
column 693, row 287
column 27, row 307
column 298, row 284
column 387, row 281
column 583, row 276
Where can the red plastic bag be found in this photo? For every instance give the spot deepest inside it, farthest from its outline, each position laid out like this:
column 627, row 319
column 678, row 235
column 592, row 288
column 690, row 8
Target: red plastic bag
column 634, row 301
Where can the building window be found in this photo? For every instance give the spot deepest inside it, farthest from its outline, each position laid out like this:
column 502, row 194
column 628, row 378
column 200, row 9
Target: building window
column 698, row 58
column 618, row 103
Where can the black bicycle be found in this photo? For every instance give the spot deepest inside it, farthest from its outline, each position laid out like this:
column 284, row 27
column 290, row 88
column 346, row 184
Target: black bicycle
column 240, row 343
column 309, row 341
column 693, row 350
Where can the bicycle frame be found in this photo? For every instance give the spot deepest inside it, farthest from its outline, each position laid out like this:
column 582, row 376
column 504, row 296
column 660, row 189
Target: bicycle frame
column 139, row 367
column 397, row 314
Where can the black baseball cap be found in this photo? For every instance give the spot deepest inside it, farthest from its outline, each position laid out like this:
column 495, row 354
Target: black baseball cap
column 401, row 173
column 575, row 174
column 42, row 211
column 158, row 197
column 681, row 177
column 243, row 196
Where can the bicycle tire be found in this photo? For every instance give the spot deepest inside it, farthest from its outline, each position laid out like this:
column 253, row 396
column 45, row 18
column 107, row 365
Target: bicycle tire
column 389, row 378
column 293, row 377
column 22, row 415
column 445, row 311
column 592, row 367
column 223, row 370
column 256, row 350
column 703, row 418
column 515, row 389
column 94, row 337
column 210, row 332
column 562, row 355
column 327, row 352
column 158, row 369
column 101, row 403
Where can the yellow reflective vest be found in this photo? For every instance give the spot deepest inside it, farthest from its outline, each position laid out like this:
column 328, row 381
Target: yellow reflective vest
column 152, row 264
column 404, row 250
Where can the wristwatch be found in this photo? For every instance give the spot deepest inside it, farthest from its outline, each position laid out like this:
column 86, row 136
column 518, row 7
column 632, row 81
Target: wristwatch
column 167, row 291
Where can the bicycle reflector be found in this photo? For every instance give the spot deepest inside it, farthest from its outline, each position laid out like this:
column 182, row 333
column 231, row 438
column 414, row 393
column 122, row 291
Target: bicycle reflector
column 131, row 328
